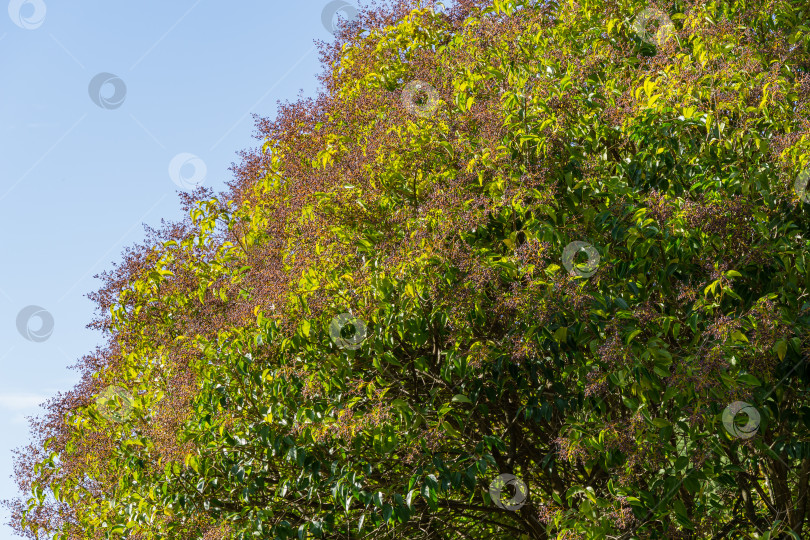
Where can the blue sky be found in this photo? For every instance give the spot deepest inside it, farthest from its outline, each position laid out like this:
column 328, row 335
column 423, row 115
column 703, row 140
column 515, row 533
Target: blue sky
column 174, row 84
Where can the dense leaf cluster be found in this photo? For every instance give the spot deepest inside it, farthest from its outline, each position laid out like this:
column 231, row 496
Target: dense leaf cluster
column 430, row 192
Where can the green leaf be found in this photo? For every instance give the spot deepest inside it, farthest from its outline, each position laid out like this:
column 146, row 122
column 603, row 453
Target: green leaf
column 739, row 336
column 633, row 334
column 750, row 380
column 691, row 484
column 781, row 348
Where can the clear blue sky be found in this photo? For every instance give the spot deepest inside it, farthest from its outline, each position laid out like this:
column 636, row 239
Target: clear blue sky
column 77, row 179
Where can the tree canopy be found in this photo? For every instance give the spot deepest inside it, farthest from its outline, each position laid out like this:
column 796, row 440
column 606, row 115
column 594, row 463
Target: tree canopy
column 519, row 270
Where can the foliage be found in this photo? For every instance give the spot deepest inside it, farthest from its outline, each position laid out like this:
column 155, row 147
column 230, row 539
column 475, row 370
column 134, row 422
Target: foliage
column 439, row 222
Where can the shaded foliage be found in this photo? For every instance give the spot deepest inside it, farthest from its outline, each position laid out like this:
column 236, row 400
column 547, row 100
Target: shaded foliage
column 439, row 220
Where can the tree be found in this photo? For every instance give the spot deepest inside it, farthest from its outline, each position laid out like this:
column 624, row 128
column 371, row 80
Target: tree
column 390, row 309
